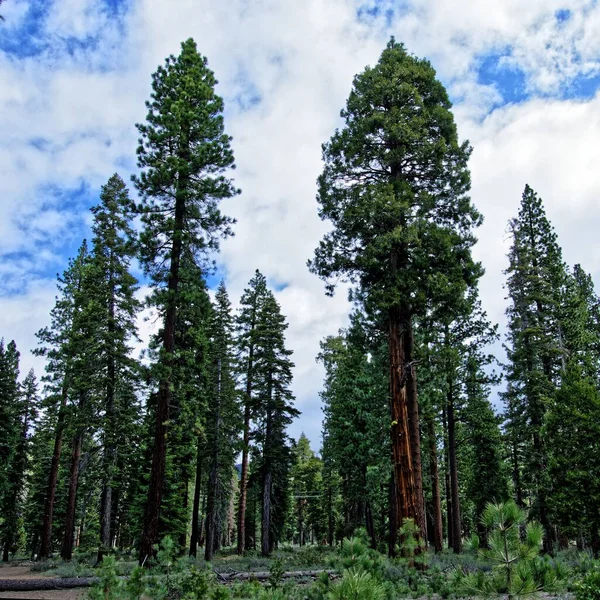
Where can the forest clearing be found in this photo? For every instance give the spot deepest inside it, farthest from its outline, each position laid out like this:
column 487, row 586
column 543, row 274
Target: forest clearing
column 457, row 459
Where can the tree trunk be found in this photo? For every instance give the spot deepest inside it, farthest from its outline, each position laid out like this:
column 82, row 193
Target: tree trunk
column 456, row 520
column 406, row 493
column 67, row 547
column 241, row 532
column 159, row 453
column 212, row 539
column 265, row 543
column 438, row 534
column 414, row 423
column 194, row 535
column 46, row 537
column 330, row 516
column 449, row 518
column 393, row 524
column 110, row 451
column 370, row 525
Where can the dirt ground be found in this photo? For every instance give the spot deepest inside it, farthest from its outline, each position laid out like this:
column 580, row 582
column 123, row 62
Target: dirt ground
column 23, row 572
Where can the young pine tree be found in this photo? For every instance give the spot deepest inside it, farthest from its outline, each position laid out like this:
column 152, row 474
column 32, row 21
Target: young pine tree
column 395, row 186
column 115, row 310
column 246, row 332
column 183, row 155
column 223, row 419
column 56, row 345
column 11, row 445
column 275, row 411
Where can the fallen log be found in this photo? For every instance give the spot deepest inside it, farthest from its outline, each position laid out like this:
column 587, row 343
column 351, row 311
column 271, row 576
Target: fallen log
column 45, row 583
column 66, row 583
column 265, row 575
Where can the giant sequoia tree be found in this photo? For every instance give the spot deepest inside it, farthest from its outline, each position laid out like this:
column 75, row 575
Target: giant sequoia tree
column 183, row 155
column 395, row 186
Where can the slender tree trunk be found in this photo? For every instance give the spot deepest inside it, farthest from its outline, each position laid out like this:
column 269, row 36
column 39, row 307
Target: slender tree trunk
column 330, row 516
column 67, row 547
column 415, row 431
column 241, row 532
column 406, row 493
column 370, row 525
column 456, row 520
column 196, row 508
column 265, row 543
column 438, row 534
column 213, row 479
column 449, row 518
column 159, row 454
column 393, row 524
column 46, row 537
column 186, row 500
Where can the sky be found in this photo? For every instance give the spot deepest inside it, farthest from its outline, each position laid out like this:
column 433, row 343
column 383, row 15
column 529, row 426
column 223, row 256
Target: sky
column 74, row 76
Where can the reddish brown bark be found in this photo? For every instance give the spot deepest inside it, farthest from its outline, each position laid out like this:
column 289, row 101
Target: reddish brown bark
column 405, row 489
column 46, row 537
column 415, row 430
column 438, row 537
column 67, row 547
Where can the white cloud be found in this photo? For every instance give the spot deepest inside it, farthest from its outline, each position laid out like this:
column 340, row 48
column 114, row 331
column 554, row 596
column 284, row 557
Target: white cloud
column 68, row 118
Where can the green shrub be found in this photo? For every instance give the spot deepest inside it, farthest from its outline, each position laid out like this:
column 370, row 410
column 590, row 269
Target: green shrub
column 589, row 587
column 357, row 584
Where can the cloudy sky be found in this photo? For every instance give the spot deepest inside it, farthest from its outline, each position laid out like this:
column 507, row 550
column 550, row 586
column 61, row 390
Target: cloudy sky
column 74, row 75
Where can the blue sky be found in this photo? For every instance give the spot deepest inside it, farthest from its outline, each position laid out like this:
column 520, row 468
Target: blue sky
column 523, row 77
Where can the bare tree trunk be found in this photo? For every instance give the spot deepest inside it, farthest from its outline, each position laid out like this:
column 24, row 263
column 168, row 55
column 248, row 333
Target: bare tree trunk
column 438, row 535
column 67, row 547
column 449, row 518
column 46, row 537
column 241, row 532
column 213, row 479
column 456, row 520
column 194, row 535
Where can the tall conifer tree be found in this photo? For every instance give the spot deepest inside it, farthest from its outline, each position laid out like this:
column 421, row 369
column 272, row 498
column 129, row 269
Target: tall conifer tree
column 114, row 312
column 536, row 278
column 275, row 411
column 183, row 155
column 395, row 186
column 246, row 332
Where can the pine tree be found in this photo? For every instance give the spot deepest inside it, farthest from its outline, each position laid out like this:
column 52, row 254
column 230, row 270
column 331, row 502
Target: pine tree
column 183, row 154
column 223, row 418
column 572, row 430
column 275, row 411
column 11, row 467
column 394, row 186
column 306, row 477
column 536, row 277
column 246, row 332
column 115, row 310
column 56, row 345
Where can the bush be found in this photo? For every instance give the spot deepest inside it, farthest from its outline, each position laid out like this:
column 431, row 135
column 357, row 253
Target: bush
column 589, row 587
column 357, row 584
